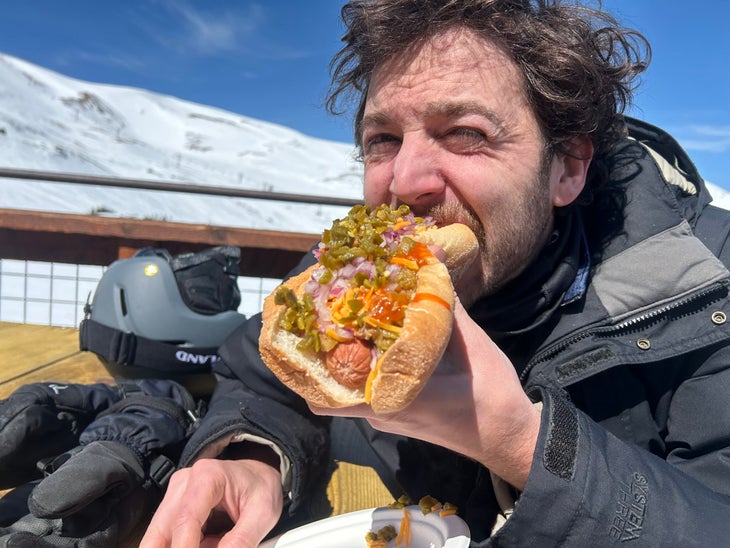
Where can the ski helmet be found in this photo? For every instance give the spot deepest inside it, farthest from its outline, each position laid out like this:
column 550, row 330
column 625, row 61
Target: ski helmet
column 155, row 315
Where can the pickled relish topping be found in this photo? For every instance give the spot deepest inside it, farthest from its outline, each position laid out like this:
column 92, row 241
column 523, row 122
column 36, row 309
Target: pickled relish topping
column 402, row 536
column 366, row 279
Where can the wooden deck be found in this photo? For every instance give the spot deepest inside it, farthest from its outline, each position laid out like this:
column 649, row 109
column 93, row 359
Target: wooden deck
column 37, row 353
column 32, row 353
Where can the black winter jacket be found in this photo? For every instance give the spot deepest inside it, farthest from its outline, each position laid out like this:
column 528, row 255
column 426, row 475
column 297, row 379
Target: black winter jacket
column 632, row 372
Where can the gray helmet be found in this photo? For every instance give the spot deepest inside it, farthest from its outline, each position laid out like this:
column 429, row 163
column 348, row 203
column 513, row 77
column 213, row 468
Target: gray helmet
column 163, row 316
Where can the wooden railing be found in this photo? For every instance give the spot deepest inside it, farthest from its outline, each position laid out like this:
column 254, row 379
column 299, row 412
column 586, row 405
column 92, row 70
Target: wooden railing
column 99, row 240
column 169, row 186
column 96, row 240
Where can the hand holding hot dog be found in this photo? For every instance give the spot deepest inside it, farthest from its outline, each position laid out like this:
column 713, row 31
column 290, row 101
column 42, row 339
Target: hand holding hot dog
column 473, row 404
column 371, row 320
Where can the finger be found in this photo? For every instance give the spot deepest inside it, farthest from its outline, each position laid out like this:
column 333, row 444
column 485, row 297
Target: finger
column 247, row 533
column 361, row 410
column 170, row 530
column 180, row 516
column 256, row 518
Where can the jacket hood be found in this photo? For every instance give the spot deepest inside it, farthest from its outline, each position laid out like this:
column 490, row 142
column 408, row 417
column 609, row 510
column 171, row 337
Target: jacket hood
column 675, row 167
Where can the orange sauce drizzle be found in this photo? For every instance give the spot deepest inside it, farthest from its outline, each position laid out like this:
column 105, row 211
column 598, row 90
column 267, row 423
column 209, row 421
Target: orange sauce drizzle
column 430, row 297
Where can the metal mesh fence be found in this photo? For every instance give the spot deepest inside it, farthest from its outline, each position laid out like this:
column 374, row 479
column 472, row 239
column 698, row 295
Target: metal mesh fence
column 55, row 293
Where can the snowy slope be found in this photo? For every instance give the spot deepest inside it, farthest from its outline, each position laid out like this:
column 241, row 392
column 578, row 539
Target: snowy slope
column 55, row 123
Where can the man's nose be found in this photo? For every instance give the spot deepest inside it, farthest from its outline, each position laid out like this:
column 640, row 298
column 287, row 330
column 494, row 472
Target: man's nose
column 417, row 179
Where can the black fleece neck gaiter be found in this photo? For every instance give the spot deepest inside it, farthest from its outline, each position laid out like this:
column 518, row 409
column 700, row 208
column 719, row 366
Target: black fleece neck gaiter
column 514, row 316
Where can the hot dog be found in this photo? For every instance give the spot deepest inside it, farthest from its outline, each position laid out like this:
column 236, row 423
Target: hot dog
column 370, row 321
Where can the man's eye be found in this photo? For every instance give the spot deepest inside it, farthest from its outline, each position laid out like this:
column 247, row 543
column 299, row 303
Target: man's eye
column 464, row 138
column 379, row 144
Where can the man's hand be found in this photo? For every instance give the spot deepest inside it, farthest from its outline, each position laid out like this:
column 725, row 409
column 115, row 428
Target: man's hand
column 473, row 404
column 217, row 503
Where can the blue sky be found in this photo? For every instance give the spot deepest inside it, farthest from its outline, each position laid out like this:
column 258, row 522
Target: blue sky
column 269, row 58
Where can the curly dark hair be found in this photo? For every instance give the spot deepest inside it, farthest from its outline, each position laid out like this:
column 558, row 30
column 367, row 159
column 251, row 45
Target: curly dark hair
column 579, row 65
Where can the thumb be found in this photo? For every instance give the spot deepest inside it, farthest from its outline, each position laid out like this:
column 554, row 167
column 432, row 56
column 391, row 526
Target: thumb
column 248, row 532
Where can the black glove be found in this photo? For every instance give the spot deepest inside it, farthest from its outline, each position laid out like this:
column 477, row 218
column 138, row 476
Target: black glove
column 42, row 420
column 98, row 492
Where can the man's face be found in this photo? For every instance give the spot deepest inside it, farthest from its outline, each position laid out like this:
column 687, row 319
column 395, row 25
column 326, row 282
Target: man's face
column 448, row 131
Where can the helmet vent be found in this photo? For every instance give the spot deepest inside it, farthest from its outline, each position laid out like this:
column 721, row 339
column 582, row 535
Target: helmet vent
column 123, row 302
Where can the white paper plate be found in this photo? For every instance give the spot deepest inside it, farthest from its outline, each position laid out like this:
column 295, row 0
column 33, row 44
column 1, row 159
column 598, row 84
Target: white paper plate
column 349, row 530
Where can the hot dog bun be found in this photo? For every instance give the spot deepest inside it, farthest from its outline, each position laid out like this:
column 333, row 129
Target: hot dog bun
column 401, row 371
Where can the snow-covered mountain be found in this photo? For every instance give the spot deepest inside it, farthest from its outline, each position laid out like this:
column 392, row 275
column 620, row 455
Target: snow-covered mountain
column 55, row 123
column 51, row 122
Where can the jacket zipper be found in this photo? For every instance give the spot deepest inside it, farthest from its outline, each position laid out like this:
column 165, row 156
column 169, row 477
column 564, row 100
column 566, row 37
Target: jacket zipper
column 636, row 322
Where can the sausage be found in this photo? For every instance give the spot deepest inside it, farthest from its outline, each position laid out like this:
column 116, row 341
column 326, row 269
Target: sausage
column 349, row 363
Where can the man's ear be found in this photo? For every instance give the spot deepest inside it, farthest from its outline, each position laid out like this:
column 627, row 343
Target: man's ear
column 572, row 169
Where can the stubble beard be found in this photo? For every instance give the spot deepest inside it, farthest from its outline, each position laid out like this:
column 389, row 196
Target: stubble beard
column 509, row 240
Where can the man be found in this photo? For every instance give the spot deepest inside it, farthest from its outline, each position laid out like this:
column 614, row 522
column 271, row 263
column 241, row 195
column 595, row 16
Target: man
column 590, row 339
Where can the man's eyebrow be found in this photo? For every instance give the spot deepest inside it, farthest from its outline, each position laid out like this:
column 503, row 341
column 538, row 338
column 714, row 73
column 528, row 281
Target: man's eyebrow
column 447, row 109
column 374, row 119
column 454, row 109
